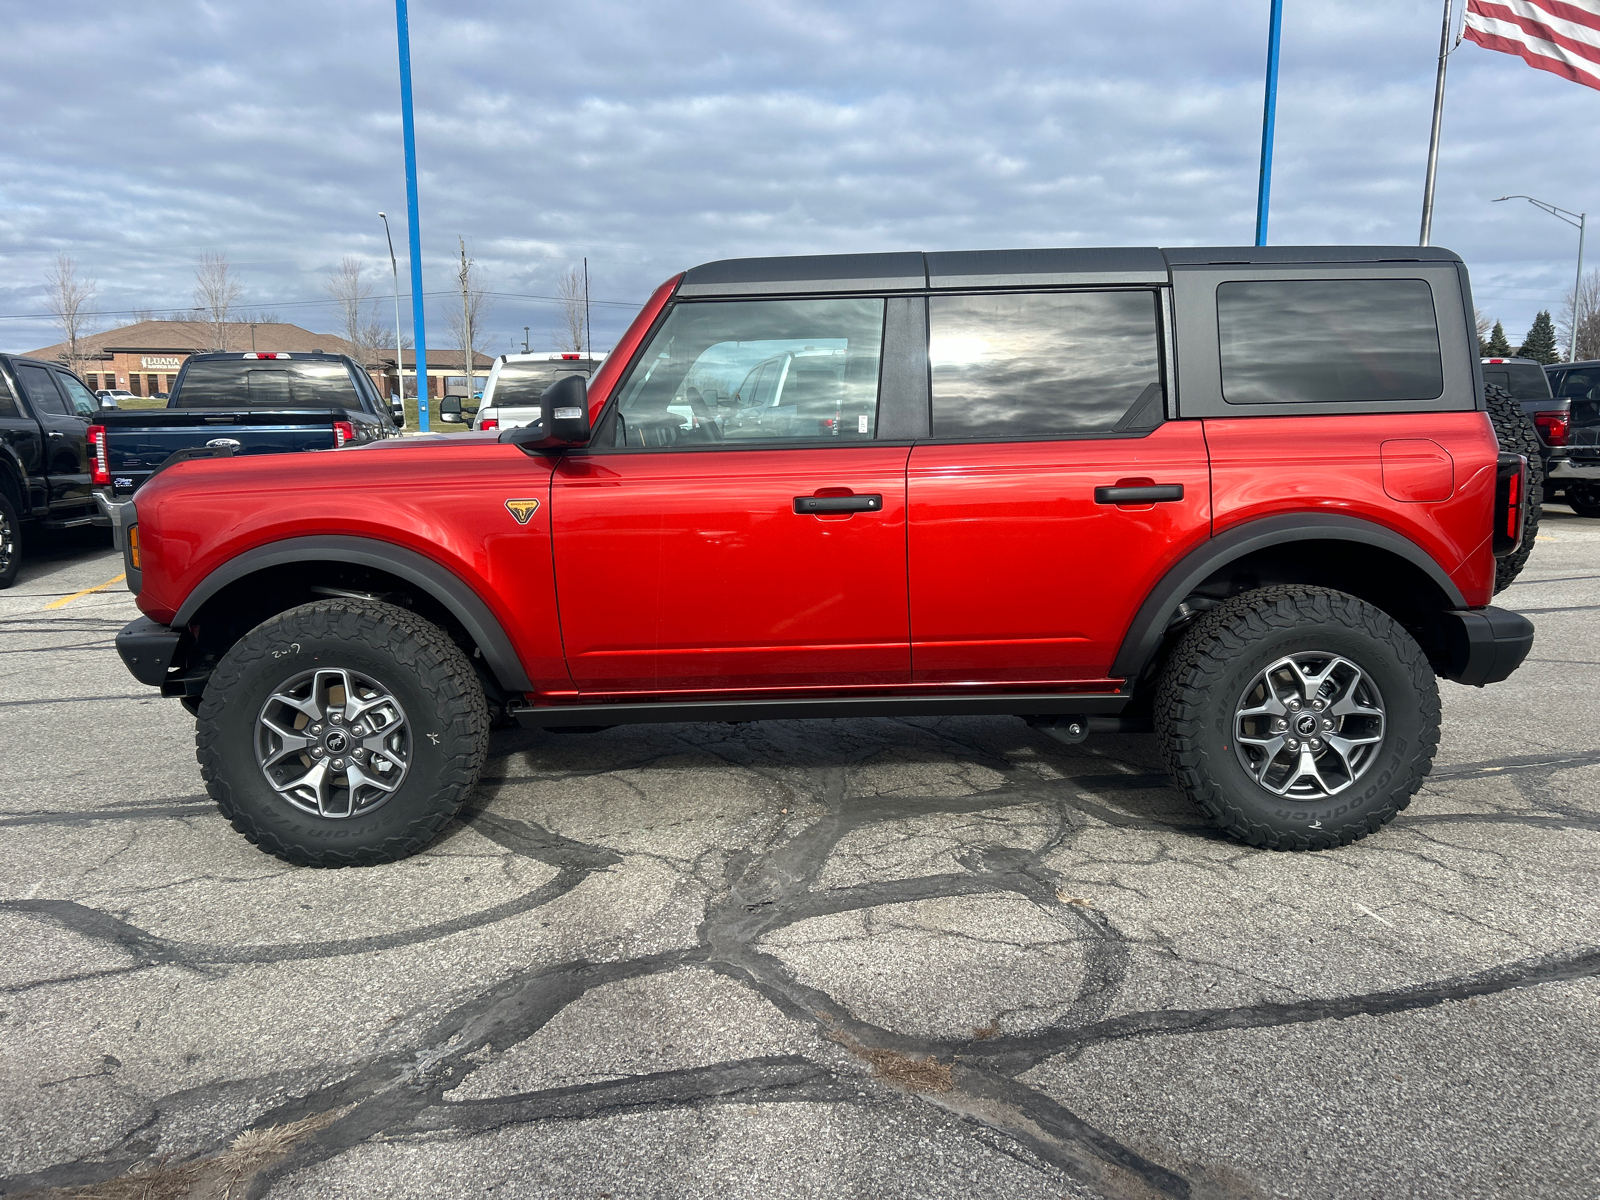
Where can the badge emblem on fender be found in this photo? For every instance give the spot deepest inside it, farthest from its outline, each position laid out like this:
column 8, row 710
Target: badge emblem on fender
column 522, row 510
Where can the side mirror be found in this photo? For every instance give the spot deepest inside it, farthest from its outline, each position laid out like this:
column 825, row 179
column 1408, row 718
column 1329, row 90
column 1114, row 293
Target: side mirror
column 397, row 411
column 563, row 418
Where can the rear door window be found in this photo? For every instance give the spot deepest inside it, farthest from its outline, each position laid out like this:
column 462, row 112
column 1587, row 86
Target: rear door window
column 1045, row 364
column 1309, row 341
column 737, row 372
column 42, row 391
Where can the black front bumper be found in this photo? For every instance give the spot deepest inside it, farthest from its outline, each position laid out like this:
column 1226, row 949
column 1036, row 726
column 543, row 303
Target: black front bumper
column 1484, row 645
column 148, row 648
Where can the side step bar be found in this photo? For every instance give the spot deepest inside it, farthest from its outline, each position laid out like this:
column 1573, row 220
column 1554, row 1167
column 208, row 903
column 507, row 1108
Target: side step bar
column 604, row 715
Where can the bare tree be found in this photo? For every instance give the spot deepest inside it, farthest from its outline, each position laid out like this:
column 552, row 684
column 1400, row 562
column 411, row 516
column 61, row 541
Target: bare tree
column 467, row 325
column 141, row 315
column 573, row 330
column 358, row 322
column 1484, row 324
column 69, row 299
column 1588, row 324
column 261, row 316
column 216, row 291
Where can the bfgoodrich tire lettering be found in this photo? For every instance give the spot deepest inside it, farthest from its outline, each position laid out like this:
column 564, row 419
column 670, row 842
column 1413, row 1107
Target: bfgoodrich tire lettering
column 1213, row 667
column 431, row 682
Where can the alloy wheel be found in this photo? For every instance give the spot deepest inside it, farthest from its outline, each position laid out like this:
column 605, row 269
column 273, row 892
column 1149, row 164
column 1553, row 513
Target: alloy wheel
column 1309, row 725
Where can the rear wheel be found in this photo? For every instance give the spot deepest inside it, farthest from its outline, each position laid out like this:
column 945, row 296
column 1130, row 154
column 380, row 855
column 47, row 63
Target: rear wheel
column 10, row 542
column 342, row 733
column 1298, row 718
column 1515, row 431
column 1584, row 499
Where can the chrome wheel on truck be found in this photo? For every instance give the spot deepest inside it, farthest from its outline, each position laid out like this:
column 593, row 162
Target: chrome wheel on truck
column 342, row 733
column 1298, row 718
column 10, row 542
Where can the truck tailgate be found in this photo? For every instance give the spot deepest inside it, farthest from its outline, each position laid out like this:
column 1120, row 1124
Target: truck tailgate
column 139, row 442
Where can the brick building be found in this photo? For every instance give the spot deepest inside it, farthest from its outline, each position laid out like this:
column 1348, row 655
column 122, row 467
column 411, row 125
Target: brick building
column 144, row 358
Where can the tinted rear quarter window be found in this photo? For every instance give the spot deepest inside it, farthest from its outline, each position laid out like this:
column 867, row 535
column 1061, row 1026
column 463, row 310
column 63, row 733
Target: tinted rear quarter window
column 1044, row 364
column 42, row 392
column 1311, row 341
column 272, row 383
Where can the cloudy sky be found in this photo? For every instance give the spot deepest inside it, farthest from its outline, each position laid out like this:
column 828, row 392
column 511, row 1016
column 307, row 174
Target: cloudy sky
column 650, row 137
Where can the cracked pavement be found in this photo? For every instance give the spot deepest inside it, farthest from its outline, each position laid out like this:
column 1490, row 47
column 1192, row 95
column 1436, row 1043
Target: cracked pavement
column 804, row 959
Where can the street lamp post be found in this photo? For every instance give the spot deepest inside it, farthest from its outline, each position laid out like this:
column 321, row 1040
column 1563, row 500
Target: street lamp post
column 399, row 348
column 1577, row 284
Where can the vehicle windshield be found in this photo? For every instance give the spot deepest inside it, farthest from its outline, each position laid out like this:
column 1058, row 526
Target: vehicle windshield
column 1524, row 380
column 274, row 383
column 521, row 384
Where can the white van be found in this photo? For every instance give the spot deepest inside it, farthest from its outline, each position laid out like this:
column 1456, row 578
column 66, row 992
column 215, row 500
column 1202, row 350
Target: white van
column 516, row 381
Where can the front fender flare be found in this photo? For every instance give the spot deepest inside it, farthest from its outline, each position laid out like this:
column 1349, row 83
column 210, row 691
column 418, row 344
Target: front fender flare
column 462, row 602
column 1150, row 622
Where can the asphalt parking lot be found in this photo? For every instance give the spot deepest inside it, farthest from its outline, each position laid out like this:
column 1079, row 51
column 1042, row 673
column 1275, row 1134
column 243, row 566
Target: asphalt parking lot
column 830, row 959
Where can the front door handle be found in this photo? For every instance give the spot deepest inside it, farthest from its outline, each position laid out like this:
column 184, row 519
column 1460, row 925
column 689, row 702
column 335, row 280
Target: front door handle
column 1154, row 493
column 838, row 504
column 56, row 433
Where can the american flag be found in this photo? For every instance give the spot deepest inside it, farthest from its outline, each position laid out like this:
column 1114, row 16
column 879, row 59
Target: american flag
column 1560, row 36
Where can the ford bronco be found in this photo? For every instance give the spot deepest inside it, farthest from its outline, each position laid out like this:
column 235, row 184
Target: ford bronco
column 1249, row 500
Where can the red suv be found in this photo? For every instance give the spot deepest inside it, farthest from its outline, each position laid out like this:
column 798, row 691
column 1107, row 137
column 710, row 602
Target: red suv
column 1247, row 499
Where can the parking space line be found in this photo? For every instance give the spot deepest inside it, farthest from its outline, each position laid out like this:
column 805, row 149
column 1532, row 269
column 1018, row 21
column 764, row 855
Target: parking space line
column 100, row 587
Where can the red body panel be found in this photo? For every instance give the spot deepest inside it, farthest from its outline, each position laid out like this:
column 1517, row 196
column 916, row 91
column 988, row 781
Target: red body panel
column 1264, row 466
column 1017, row 575
column 445, row 500
column 691, row 571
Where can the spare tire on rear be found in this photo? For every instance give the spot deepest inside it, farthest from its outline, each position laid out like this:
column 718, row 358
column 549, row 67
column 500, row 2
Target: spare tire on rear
column 1517, row 435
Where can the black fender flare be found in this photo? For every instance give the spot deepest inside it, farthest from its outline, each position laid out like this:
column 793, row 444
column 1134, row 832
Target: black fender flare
column 462, row 602
column 14, row 480
column 1150, row 622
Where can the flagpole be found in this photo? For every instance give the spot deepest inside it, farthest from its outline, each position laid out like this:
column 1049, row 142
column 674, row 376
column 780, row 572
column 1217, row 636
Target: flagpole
column 1268, row 122
column 408, row 130
column 1438, row 118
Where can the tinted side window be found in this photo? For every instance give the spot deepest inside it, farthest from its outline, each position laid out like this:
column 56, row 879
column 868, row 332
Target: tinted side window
column 41, row 389
column 253, row 383
column 83, row 402
column 8, row 402
column 752, row 371
column 1044, row 364
column 1299, row 341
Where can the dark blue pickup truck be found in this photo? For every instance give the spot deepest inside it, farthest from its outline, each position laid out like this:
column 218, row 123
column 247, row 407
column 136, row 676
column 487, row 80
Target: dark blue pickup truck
column 248, row 403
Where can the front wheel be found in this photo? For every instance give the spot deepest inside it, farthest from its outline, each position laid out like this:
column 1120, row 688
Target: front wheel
column 1298, row 718
column 10, row 542
column 342, row 733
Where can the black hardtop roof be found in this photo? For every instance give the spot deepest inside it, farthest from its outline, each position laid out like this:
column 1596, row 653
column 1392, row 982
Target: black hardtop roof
column 914, row 270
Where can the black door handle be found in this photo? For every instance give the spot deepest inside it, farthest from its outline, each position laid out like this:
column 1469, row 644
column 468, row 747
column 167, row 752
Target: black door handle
column 838, row 504
column 1153, row 493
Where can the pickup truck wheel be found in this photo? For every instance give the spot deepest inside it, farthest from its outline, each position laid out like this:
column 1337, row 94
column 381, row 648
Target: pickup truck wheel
column 1584, row 499
column 10, row 542
column 1515, row 431
column 1298, row 718
column 342, row 733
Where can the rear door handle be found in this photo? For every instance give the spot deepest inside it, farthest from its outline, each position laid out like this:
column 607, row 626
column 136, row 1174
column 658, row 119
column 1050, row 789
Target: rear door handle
column 56, row 433
column 838, row 504
column 1154, row 493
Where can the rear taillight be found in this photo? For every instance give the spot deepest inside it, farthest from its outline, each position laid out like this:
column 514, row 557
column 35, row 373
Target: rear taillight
column 100, row 471
column 490, row 423
column 343, row 431
column 1552, row 427
column 1511, row 481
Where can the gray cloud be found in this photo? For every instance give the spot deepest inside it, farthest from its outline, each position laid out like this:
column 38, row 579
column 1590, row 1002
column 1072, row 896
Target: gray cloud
column 651, row 137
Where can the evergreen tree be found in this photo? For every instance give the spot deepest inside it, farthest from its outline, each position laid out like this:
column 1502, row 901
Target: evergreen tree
column 1497, row 346
column 1541, row 343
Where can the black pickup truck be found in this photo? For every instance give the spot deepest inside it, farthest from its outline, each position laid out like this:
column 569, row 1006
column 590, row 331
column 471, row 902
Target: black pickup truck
column 250, row 403
column 45, row 412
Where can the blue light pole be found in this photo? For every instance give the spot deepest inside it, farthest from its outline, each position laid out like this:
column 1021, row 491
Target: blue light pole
column 418, row 330
column 1268, row 120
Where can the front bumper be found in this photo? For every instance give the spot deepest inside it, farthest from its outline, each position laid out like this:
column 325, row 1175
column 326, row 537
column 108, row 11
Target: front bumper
column 148, row 648
column 1485, row 645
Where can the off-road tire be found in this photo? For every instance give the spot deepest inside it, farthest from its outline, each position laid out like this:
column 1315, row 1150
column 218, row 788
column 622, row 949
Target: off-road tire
column 1516, row 433
column 10, row 542
column 1214, row 663
column 415, row 660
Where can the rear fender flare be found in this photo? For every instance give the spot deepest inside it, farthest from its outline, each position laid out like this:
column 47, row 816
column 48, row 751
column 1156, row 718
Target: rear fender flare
column 1150, row 622
column 462, row 602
